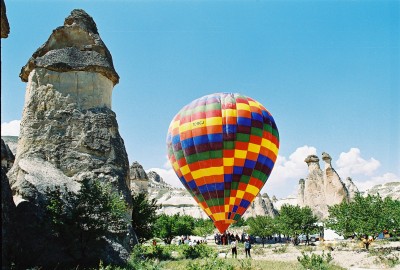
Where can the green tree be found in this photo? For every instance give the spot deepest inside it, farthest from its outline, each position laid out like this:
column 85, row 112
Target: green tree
column 80, row 220
column 296, row 220
column 365, row 216
column 262, row 226
column 203, row 227
column 143, row 216
column 240, row 223
column 167, row 227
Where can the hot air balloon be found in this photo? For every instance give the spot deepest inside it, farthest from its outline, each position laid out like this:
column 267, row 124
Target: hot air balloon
column 223, row 147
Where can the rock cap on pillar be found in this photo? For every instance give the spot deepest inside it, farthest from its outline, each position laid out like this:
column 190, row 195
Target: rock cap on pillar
column 76, row 46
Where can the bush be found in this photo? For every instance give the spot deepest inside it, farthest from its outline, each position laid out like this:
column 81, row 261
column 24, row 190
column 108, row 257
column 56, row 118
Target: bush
column 315, row 262
column 197, row 251
column 280, row 249
column 210, row 263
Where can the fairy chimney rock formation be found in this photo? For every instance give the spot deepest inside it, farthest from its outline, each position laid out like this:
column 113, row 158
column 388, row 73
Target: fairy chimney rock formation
column 68, row 132
column 351, row 188
column 321, row 188
column 139, row 182
column 335, row 190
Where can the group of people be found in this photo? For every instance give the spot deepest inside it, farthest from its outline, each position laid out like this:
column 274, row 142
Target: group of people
column 231, row 239
column 187, row 241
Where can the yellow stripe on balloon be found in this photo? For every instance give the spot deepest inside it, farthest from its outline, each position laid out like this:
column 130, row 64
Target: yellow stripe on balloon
column 229, row 161
column 214, row 121
column 219, row 216
column 240, row 194
column 240, row 153
column 207, row 172
column 269, row 145
column 185, row 170
column 252, row 190
column 254, row 104
column 253, row 148
column 229, row 113
column 243, row 106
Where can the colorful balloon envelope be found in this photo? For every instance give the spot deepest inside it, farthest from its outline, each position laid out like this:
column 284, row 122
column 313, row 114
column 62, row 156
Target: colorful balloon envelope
column 223, row 148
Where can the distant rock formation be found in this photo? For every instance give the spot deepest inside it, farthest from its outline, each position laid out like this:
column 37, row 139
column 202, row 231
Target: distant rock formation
column 7, row 156
column 351, row 188
column 5, row 27
column 261, row 206
column 12, row 143
column 321, row 188
column 139, row 182
column 68, row 133
column 390, row 189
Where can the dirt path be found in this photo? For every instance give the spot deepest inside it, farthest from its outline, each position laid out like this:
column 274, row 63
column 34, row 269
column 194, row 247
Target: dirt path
column 346, row 253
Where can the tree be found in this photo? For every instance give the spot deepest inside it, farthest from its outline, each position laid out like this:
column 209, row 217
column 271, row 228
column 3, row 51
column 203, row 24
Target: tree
column 365, row 216
column 296, row 220
column 262, row 226
column 143, row 216
column 203, row 227
column 81, row 220
column 167, row 227
column 240, row 223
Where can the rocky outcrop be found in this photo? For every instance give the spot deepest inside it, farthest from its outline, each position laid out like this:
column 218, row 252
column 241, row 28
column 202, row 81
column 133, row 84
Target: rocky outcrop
column 7, row 221
column 321, row 188
column 68, row 134
column 390, row 189
column 11, row 142
column 5, row 27
column 7, row 156
column 76, row 46
column 139, row 182
column 351, row 188
column 335, row 189
column 261, row 206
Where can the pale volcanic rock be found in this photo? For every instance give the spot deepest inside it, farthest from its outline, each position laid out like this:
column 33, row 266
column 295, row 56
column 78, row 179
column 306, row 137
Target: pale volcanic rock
column 390, row 189
column 75, row 46
column 335, row 190
column 351, row 188
column 11, row 142
column 321, row 188
column 261, row 206
column 314, row 189
column 7, row 156
column 139, row 182
column 68, row 133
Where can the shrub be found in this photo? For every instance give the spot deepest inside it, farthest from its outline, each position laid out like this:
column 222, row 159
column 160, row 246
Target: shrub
column 210, row 263
column 197, row 251
column 315, row 261
column 280, row 249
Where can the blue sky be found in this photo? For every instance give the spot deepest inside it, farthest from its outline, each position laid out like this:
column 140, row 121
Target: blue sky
column 328, row 71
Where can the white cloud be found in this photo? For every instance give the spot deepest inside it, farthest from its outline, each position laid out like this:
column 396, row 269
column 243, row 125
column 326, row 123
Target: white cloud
column 287, row 172
column 376, row 180
column 10, row 128
column 351, row 163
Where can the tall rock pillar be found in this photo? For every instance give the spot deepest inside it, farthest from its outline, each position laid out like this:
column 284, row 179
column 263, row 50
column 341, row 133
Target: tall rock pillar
column 68, row 134
column 335, row 190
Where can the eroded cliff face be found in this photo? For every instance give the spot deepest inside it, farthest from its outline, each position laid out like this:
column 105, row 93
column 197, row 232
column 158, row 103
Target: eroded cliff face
column 68, row 134
column 321, row 188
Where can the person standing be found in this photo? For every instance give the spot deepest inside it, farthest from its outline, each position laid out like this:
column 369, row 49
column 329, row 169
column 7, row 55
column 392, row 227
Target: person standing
column 247, row 247
column 234, row 248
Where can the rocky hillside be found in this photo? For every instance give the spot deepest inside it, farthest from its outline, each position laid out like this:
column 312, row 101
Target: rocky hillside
column 12, row 143
column 390, row 189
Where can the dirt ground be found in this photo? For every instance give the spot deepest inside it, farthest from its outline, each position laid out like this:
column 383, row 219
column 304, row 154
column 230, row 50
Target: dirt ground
column 348, row 254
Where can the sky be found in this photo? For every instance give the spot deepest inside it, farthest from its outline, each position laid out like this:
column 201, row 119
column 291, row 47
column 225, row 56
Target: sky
column 328, row 71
